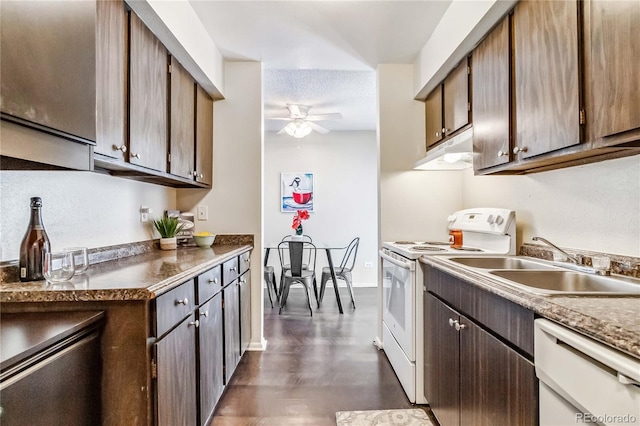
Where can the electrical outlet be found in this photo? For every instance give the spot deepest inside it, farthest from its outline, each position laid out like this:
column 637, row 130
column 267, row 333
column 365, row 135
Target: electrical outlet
column 144, row 214
column 368, row 264
column 203, row 212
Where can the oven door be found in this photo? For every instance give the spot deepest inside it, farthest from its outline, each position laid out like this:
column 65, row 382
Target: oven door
column 398, row 280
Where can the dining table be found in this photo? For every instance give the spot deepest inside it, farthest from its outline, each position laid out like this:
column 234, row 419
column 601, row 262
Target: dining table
column 327, row 247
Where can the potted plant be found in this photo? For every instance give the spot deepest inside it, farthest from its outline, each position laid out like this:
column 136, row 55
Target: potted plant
column 297, row 220
column 168, row 228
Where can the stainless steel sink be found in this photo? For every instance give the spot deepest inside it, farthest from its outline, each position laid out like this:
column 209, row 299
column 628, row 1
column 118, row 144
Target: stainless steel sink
column 500, row 263
column 566, row 282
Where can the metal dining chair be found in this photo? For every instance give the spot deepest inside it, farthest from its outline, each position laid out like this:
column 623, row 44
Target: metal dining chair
column 296, row 274
column 343, row 271
column 305, row 265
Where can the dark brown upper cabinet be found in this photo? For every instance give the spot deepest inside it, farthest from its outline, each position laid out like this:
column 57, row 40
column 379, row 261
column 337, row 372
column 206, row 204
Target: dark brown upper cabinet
column 111, row 79
column 456, row 99
column 447, row 106
column 148, row 120
column 182, row 140
column 204, row 137
column 492, row 98
column 433, row 118
column 547, row 77
column 613, row 67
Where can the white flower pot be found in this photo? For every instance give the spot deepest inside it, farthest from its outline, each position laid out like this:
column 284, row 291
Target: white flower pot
column 168, row 243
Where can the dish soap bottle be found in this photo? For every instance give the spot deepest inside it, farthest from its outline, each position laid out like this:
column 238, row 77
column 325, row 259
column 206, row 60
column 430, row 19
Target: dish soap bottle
column 35, row 244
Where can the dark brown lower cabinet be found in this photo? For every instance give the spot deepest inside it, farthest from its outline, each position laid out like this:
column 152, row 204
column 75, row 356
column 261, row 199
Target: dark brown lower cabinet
column 231, row 297
column 211, row 354
column 176, row 375
column 471, row 377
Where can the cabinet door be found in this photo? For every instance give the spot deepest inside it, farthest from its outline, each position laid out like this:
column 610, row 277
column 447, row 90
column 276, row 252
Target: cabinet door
column 211, row 356
column 231, row 295
column 176, row 376
column 111, row 83
column 182, row 139
column 491, row 98
column 148, row 98
column 204, row 137
column 546, row 76
column 498, row 386
column 456, row 98
column 245, row 311
column 433, row 111
column 614, row 67
column 442, row 374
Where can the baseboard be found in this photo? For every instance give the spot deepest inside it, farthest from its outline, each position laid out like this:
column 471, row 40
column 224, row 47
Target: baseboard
column 258, row 346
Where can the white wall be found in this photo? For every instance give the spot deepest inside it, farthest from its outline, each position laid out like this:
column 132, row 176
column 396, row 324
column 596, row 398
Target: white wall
column 235, row 200
column 345, row 194
column 591, row 207
column 79, row 208
column 413, row 204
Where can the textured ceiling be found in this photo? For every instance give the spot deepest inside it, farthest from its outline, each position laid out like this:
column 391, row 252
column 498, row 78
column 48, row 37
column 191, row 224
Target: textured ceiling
column 321, row 53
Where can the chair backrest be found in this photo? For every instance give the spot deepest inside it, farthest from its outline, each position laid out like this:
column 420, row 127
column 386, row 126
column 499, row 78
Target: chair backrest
column 305, row 237
column 296, row 251
column 349, row 259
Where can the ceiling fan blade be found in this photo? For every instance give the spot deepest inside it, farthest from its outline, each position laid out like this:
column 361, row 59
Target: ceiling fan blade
column 328, row 116
column 280, row 118
column 281, row 130
column 298, row 111
column 317, row 128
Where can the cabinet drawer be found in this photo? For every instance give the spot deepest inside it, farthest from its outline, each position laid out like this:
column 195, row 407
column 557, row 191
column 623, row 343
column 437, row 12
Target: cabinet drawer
column 229, row 271
column 209, row 283
column 173, row 306
column 244, row 261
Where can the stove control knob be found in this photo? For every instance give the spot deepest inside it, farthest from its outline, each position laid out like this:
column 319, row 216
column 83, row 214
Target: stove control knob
column 490, row 219
column 499, row 220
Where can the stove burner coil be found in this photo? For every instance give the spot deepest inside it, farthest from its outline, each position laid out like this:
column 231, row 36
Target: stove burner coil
column 426, row 248
column 404, row 242
column 436, row 243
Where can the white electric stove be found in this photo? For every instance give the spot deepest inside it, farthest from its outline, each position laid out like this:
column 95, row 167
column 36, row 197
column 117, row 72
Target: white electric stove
column 485, row 231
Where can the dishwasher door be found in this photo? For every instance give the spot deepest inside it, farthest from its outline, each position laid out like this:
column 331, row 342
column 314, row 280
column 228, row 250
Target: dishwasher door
column 584, row 381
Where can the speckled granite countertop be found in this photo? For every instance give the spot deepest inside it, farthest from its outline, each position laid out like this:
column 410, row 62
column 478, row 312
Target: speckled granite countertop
column 614, row 321
column 139, row 277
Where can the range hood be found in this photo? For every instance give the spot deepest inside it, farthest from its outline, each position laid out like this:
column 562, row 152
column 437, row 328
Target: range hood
column 454, row 154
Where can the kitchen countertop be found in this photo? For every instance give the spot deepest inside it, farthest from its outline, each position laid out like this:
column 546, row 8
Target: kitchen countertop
column 139, row 277
column 614, row 321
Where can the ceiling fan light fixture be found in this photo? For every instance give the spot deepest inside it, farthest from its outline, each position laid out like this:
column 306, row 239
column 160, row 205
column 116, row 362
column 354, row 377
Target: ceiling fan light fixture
column 298, row 129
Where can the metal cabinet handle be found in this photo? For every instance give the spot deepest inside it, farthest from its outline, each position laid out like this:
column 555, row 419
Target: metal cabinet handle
column 136, row 155
column 196, row 323
column 503, row 153
column 517, row 150
column 437, row 134
column 459, row 326
column 201, row 175
column 213, row 281
column 233, row 269
column 120, row 148
column 194, row 173
column 247, row 260
column 452, row 322
column 242, row 280
column 182, row 301
column 204, row 314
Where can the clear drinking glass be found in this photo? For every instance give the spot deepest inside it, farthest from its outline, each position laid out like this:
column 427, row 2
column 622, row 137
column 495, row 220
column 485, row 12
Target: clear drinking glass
column 58, row 267
column 80, row 258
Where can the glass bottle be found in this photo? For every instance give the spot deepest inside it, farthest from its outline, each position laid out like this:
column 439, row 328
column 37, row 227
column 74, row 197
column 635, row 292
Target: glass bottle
column 34, row 244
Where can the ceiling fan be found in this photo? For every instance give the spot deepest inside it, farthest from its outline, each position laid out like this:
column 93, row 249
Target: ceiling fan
column 301, row 123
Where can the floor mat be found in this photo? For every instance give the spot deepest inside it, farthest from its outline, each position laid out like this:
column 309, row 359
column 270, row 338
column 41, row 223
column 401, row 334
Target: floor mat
column 409, row 417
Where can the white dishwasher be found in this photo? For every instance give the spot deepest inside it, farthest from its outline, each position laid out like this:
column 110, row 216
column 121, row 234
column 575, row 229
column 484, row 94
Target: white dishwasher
column 583, row 381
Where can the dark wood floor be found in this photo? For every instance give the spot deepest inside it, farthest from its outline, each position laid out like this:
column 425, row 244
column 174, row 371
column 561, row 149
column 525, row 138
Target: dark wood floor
column 313, row 367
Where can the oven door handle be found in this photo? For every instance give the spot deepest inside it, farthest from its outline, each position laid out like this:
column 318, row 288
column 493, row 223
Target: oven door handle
column 406, row 265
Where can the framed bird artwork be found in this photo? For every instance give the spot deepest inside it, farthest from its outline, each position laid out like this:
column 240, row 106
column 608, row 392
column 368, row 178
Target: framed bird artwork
column 296, row 191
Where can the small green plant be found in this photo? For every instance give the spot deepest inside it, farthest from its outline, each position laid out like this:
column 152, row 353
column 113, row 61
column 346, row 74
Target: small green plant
column 168, row 227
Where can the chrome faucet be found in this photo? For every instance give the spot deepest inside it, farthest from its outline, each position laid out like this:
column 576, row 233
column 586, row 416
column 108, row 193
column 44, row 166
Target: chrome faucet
column 571, row 258
column 576, row 261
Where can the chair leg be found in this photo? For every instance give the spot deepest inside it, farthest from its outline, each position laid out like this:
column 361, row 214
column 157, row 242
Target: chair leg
column 284, row 293
column 269, row 291
column 308, row 291
column 275, row 286
column 315, row 290
column 347, row 278
column 323, row 285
